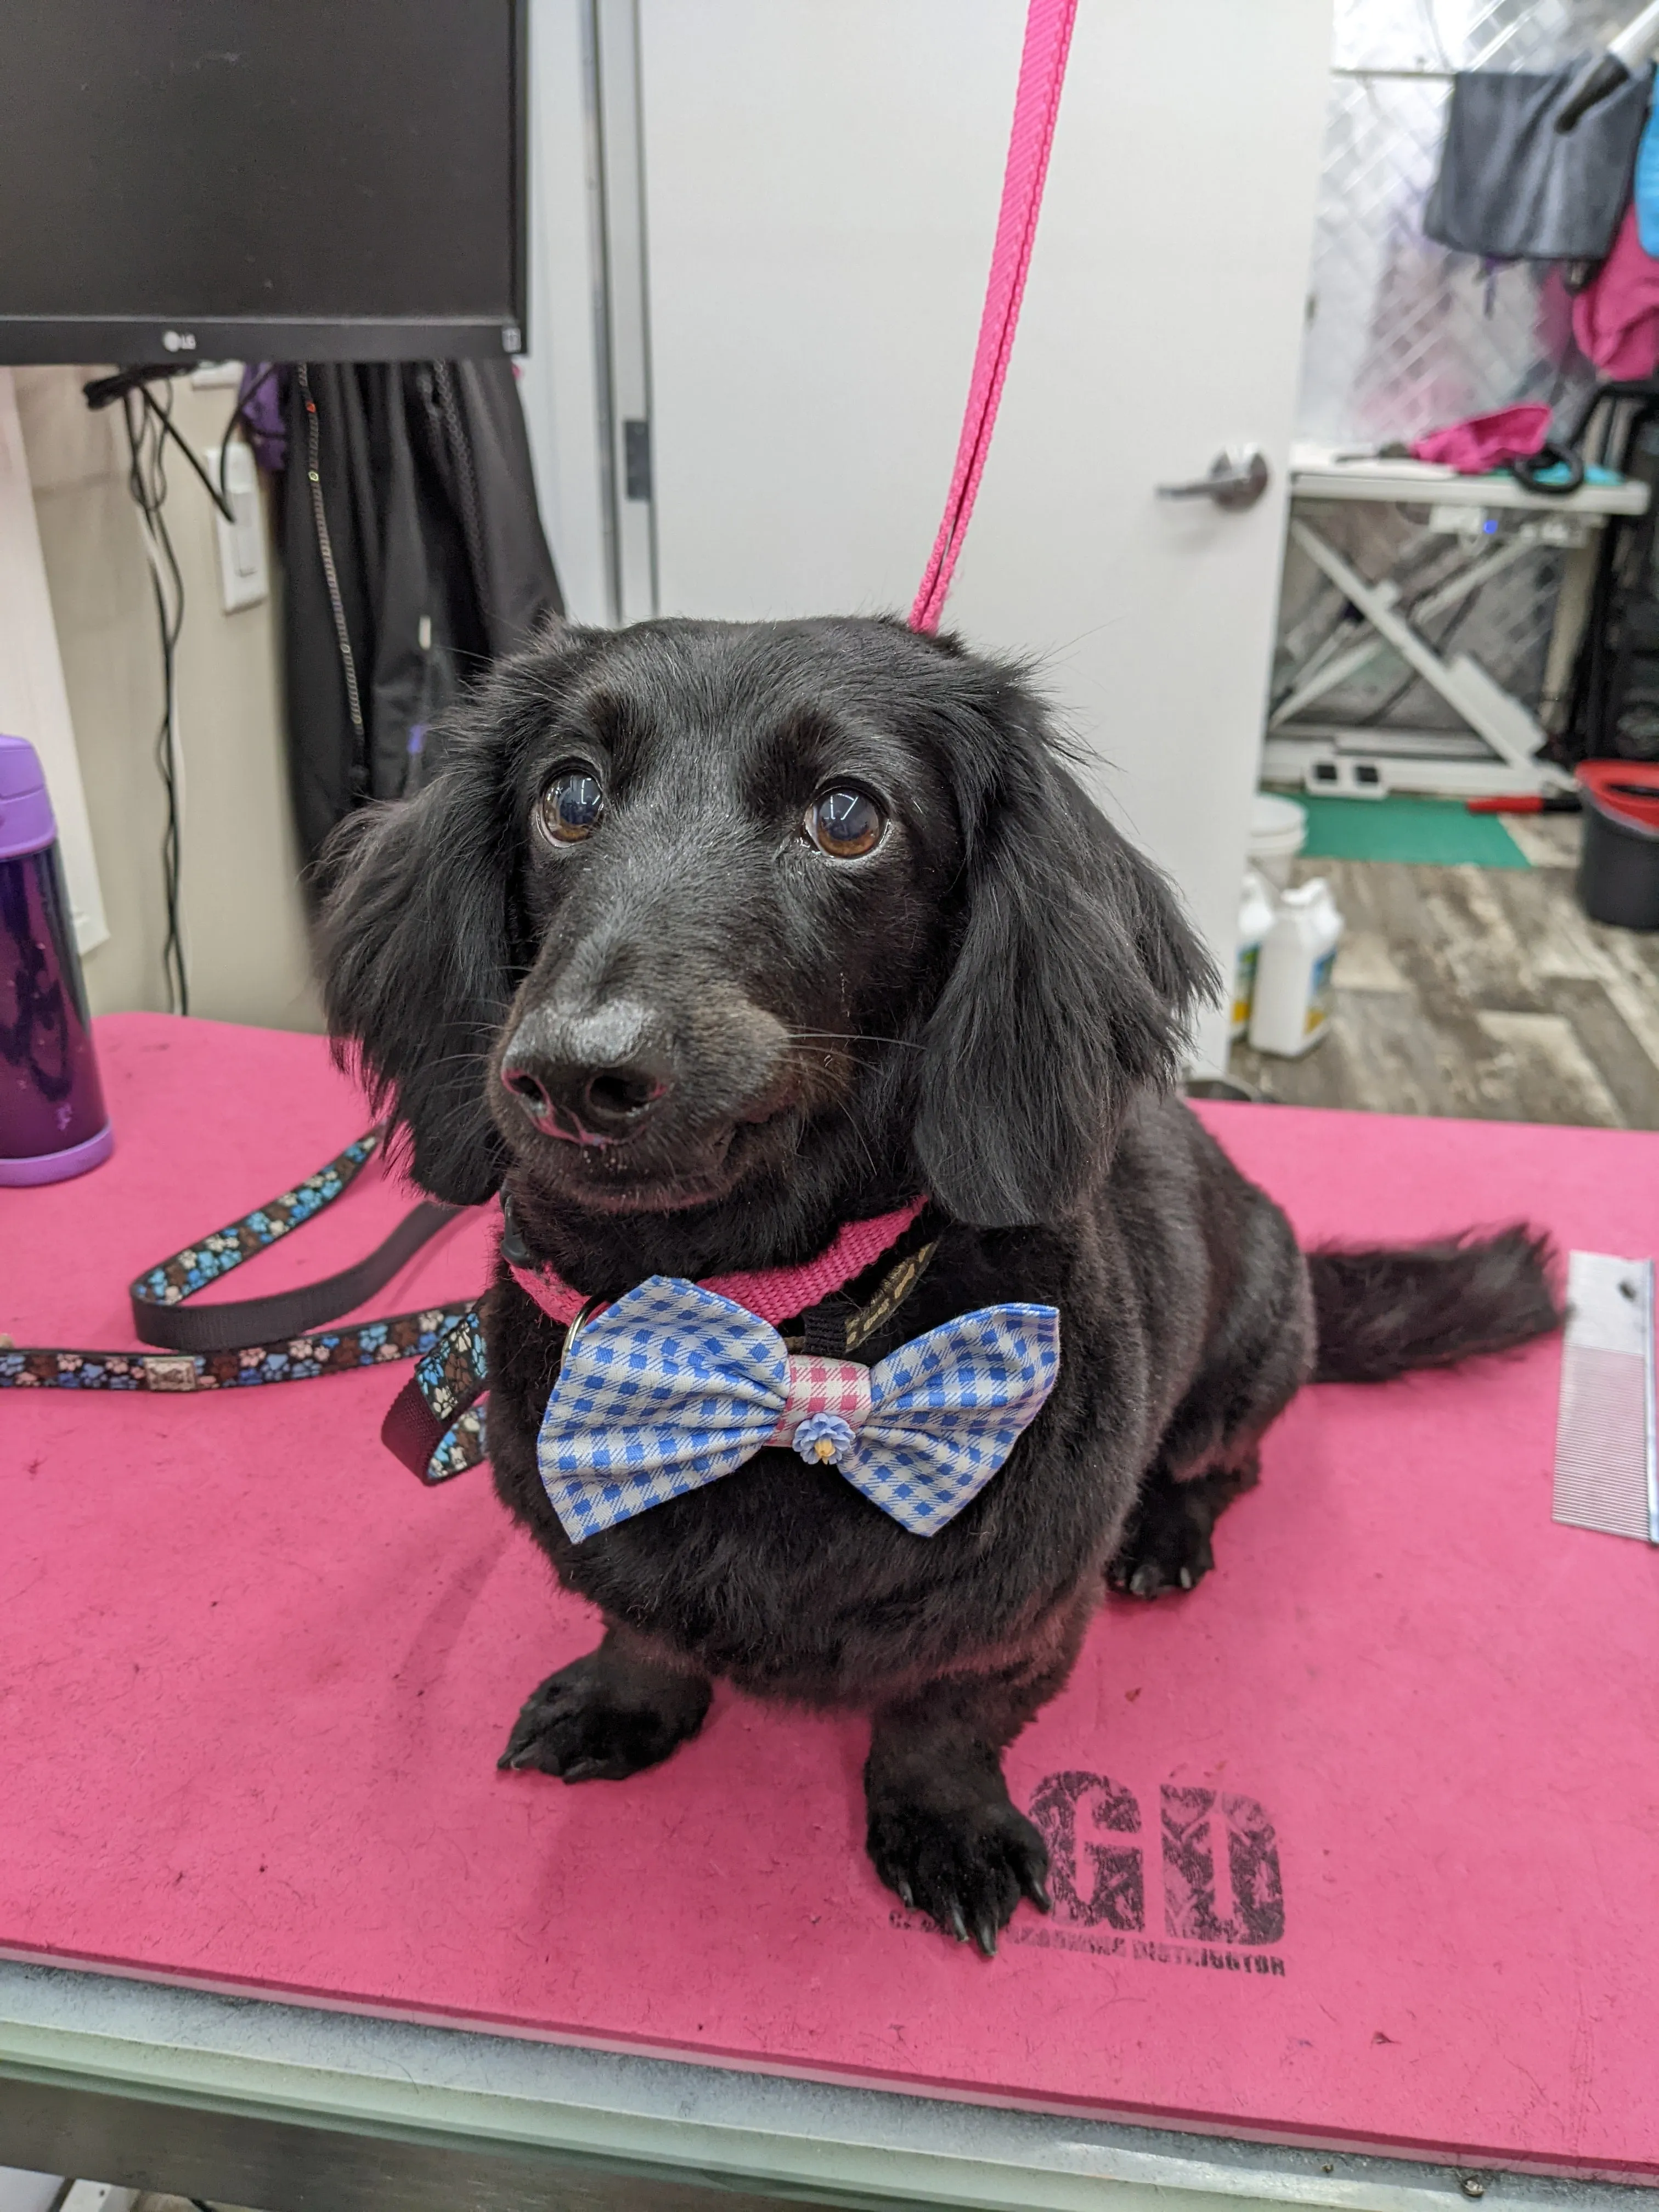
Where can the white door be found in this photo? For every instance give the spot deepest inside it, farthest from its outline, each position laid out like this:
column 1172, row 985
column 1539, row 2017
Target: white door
column 821, row 181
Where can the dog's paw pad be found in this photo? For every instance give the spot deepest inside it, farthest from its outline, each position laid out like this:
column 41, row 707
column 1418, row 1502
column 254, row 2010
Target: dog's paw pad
column 966, row 1865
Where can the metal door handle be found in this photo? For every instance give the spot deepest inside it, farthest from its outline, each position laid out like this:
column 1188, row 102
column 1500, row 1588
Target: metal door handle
column 1237, row 478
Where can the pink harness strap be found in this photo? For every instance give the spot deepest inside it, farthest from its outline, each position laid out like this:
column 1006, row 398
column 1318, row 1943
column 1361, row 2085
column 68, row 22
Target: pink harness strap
column 772, row 1294
column 1036, row 107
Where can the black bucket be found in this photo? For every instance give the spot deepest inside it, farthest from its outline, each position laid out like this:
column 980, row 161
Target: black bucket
column 1618, row 863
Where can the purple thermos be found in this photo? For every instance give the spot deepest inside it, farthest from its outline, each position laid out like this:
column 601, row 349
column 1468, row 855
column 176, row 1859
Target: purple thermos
column 52, row 1120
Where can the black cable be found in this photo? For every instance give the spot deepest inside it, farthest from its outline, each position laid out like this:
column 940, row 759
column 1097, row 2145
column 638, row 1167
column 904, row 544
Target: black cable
column 147, row 425
column 164, row 428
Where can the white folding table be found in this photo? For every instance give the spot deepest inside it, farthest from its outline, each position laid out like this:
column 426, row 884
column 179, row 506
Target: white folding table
column 1496, row 752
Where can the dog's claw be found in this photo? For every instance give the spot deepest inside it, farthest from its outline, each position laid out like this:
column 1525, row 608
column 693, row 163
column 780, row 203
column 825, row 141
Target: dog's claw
column 965, row 1864
column 1186, row 1578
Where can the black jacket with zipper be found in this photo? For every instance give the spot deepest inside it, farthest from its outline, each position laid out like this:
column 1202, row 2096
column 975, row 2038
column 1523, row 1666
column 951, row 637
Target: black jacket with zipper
column 414, row 556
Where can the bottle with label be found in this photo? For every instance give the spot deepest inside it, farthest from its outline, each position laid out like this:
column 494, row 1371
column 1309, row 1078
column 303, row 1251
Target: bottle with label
column 1255, row 919
column 1293, row 1005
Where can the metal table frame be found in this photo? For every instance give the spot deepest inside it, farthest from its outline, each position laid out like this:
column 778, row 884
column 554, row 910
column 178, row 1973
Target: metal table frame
column 244, row 2101
column 1498, row 754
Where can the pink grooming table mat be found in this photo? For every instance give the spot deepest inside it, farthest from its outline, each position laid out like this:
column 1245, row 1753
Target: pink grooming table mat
column 253, row 1681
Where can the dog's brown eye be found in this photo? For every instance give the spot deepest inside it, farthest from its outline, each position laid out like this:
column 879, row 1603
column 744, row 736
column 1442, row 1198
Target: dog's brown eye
column 572, row 806
column 844, row 823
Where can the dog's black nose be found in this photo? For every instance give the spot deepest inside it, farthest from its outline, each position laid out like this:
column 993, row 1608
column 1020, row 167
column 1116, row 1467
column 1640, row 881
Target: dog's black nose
column 591, row 1077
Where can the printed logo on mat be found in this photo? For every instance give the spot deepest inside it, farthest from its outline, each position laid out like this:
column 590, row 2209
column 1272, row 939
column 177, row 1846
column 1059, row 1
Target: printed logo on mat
column 1214, row 1867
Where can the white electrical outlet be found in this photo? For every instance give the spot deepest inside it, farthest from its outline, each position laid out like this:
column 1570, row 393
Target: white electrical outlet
column 1339, row 776
column 244, row 578
column 98, row 2197
column 28, row 2192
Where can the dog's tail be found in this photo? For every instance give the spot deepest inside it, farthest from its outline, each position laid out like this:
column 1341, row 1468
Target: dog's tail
column 1383, row 1312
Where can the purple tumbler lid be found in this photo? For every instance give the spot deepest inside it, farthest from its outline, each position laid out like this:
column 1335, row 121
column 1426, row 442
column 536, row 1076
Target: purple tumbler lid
column 26, row 817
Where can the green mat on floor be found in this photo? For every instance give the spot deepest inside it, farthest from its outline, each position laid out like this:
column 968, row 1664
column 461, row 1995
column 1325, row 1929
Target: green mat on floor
column 1432, row 832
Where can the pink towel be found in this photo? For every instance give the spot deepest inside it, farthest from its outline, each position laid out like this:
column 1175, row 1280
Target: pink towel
column 1616, row 318
column 1485, row 442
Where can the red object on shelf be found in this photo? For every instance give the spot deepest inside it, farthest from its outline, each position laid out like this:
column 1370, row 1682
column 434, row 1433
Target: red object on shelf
column 1358, row 1843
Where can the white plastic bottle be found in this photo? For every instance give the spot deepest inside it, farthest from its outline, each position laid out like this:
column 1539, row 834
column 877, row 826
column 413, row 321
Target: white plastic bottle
column 1255, row 919
column 1292, row 1008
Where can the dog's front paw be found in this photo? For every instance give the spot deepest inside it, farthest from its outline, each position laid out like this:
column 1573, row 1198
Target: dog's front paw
column 1167, row 1556
column 1167, row 1544
column 1168, row 1547
column 586, row 1725
column 965, row 1863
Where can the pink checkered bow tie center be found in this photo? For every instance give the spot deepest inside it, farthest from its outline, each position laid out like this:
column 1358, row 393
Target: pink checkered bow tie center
column 674, row 1387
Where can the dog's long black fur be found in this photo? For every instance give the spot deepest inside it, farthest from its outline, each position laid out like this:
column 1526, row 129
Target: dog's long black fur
column 989, row 1007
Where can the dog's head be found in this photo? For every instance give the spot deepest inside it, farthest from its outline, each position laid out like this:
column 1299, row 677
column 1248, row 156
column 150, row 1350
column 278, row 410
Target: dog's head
column 695, row 908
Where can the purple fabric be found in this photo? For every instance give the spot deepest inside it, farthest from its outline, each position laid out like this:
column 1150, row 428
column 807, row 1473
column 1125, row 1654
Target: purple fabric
column 261, row 404
column 1485, row 442
column 26, row 818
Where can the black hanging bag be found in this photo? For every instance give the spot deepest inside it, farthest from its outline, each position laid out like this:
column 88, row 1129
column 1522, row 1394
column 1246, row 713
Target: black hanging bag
column 1613, row 704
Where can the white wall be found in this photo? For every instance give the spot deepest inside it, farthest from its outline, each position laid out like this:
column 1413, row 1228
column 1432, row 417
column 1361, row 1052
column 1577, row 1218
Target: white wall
column 245, row 927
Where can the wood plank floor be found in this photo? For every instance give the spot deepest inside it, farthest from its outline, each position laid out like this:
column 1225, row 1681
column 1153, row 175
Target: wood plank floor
column 1480, row 992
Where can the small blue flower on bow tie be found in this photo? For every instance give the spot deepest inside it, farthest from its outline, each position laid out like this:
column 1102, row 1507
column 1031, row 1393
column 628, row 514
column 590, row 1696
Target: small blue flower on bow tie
column 822, row 1437
column 674, row 1387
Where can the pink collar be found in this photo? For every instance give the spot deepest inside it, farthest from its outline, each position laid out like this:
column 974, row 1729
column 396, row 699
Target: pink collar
column 773, row 1294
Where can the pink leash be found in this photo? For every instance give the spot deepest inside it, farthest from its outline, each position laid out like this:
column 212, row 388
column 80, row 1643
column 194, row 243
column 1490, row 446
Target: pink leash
column 1036, row 107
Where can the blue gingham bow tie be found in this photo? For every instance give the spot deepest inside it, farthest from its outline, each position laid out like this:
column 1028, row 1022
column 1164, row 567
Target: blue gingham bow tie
column 674, row 1387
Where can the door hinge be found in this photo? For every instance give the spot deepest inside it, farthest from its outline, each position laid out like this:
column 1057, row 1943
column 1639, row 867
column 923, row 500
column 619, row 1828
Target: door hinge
column 636, row 458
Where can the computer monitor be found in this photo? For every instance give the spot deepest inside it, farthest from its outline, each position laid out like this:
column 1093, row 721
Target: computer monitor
column 280, row 180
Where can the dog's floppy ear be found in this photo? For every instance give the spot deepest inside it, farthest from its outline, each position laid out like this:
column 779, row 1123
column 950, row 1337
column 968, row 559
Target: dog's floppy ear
column 1071, row 989
column 417, row 959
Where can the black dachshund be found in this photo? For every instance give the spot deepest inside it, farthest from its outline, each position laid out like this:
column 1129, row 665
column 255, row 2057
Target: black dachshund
column 712, row 939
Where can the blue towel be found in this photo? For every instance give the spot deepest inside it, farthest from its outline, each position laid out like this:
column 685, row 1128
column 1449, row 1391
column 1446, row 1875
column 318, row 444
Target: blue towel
column 1646, row 187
